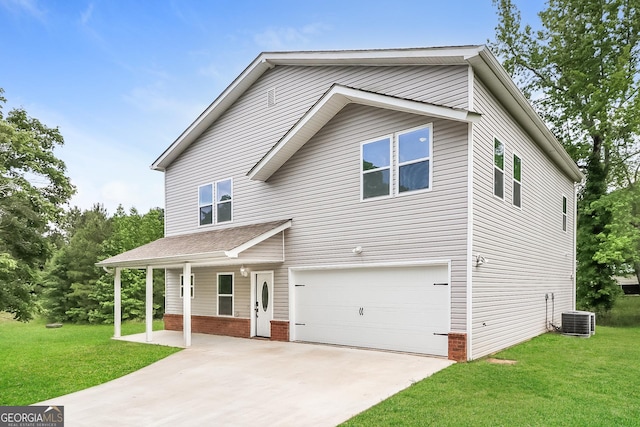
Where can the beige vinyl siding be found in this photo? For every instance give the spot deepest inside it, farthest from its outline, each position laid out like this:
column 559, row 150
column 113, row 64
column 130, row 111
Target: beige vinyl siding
column 528, row 255
column 205, row 301
column 250, row 128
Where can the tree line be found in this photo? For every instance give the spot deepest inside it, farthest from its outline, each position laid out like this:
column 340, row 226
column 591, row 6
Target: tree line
column 48, row 253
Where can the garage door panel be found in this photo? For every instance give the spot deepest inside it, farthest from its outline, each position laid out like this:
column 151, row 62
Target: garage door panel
column 395, row 308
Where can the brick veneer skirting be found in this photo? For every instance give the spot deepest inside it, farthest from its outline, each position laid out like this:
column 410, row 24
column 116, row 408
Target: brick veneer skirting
column 457, row 347
column 229, row 326
column 280, row 330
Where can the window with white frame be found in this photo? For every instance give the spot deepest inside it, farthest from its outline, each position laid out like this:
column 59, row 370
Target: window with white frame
column 517, row 181
column 225, row 294
column 224, row 200
column 376, row 168
column 205, row 204
column 414, row 158
column 410, row 161
column 498, row 169
column 218, row 195
column 193, row 285
column 564, row 213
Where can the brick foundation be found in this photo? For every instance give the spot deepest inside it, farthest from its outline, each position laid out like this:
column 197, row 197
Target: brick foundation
column 280, row 330
column 457, row 347
column 229, row 326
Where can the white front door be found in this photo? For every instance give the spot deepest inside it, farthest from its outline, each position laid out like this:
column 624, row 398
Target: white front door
column 263, row 305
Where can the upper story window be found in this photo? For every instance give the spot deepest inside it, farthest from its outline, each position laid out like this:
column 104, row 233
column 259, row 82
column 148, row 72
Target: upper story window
column 376, row 168
column 223, row 200
column 517, row 181
column 220, row 195
column 498, row 169
column 411, row 163
column 564, row 213
column 414, row 156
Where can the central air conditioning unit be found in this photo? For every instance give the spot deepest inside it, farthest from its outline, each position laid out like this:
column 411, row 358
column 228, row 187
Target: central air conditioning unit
column 579, row 323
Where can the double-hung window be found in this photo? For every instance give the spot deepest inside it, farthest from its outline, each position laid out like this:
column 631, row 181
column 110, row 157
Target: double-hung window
column 414, row 158
column 376, row 168
column 384, row 174
column 225, row 294
column 517, row 181
column 498, row 169
column 215, row 202
column 193, row 285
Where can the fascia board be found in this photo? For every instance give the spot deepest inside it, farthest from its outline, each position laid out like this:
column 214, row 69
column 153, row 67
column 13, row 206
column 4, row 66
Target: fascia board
column 215, row 110
column 419, row 56
column 502, row 86
column 234, row 253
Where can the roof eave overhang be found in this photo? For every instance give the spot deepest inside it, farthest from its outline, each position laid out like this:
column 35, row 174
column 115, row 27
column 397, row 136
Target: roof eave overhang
column 228, row 257
column 334, row 100
column 455, row 55
column 494, row 76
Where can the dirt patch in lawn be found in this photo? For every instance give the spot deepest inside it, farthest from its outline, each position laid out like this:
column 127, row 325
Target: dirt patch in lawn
column 502, row 361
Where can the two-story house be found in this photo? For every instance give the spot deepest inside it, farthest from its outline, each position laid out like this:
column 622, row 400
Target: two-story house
column 400, row 199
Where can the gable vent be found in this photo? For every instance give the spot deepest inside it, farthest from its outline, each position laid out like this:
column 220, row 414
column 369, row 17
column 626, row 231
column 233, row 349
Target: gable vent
column 271, row 97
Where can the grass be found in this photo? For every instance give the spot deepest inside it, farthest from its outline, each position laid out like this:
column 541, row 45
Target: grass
column 557, row 381
column 37, row 363
column 625, row 312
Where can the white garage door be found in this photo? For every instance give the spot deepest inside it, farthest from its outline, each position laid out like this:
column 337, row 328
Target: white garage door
column 392, row 308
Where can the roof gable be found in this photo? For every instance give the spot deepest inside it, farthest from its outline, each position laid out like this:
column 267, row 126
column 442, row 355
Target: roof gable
column 484, row 64
column 334, row 100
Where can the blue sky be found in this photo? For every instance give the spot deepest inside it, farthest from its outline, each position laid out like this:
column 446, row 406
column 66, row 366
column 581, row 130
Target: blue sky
column 122, row 79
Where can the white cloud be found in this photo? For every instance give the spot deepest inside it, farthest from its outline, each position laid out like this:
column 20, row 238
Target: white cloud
column 30, row 7
column 86, row 15
column 280, row 38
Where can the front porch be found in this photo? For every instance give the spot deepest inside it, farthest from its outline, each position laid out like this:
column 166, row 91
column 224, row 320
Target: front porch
column 257, row 244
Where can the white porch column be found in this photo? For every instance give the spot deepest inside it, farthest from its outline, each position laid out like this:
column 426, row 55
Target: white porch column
column 186, row 304
column 149, row 303
column 117, row 304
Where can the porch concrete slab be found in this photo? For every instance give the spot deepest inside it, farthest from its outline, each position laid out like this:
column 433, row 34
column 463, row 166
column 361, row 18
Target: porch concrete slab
column 244, row 382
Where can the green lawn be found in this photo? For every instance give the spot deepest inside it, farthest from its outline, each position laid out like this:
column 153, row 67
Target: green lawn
column 557, row 381
column 37, row 363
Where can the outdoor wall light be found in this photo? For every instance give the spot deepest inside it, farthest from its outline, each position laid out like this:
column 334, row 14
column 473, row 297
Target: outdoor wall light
column 244, row 272
column 357, row 250
column 480, row 260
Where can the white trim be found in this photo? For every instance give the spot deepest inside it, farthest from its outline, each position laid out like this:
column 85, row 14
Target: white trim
column 148, row 305
column 514, row 180
column 336, row 98
column 470, row 87
column 233, row 294
column 565, row 215
column 398, row 163
column 186, row 308
column 215, row 201
column 470, row 255
column 390, row 167
column 494, row 167
column 117, row 303
column 233, row 253
column 254, row 298
column 576, row 186
column 213, row 204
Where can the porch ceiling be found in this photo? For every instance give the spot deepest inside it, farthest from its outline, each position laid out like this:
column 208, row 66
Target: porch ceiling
column 216, row 247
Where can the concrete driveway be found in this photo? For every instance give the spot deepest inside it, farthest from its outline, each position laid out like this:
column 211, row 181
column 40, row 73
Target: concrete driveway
column 246, row 382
